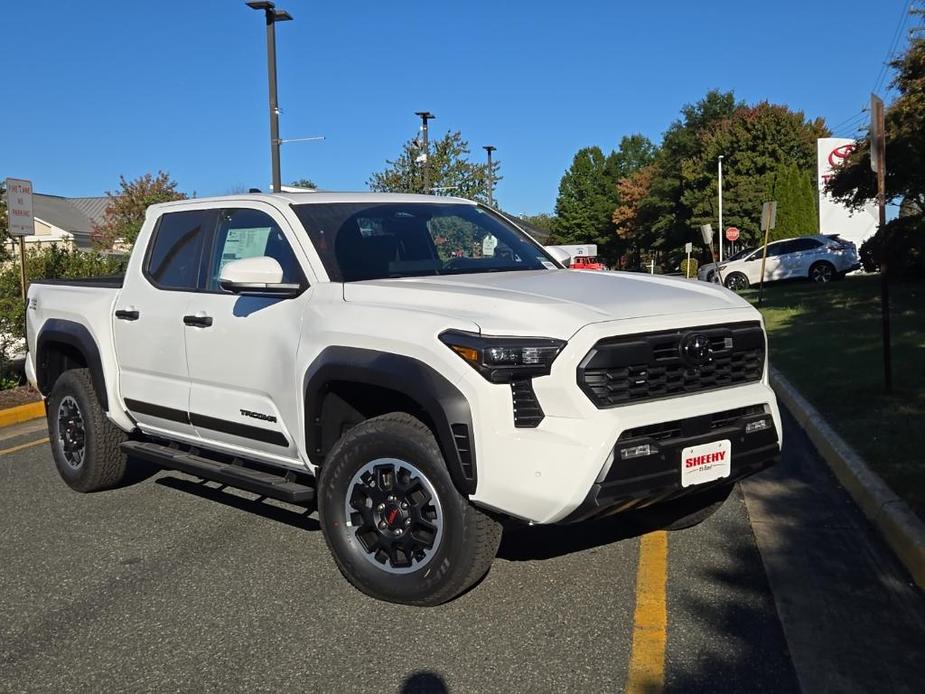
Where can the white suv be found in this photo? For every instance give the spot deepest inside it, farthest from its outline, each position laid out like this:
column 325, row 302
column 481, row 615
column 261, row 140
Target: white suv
column 820, row 258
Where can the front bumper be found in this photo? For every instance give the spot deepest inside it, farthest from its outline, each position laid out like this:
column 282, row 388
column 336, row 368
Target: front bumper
column 624, row 485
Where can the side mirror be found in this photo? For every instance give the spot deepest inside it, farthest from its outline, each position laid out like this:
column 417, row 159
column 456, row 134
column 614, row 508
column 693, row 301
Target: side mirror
column 261, row 275
column 559, row 254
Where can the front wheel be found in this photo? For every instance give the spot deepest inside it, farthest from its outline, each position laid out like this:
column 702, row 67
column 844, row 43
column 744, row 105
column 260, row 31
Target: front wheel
column 397, row 527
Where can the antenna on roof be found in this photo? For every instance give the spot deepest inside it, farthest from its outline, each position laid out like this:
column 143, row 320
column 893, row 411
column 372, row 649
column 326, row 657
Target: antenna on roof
column 254, row 190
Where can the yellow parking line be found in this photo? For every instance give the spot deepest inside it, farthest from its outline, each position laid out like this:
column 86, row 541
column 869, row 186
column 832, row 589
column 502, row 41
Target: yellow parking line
column 646, row 673
column 22, row 446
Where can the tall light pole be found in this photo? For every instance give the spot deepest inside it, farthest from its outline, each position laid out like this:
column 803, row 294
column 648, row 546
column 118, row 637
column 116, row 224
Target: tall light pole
column 721, row 230
column 491, row 175
column 426, row 116
column 272, row 16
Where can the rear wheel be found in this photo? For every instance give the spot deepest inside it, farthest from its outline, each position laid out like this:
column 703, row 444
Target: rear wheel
column 397, row 527
column 822, row 272
column 85, row 445
column 737, row 282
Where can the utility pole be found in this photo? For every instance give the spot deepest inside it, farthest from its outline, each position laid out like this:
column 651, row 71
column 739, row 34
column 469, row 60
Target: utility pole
column 491, row 175
column 272, row 16
column 426, row 116
column 878, row 164
column 721, row 230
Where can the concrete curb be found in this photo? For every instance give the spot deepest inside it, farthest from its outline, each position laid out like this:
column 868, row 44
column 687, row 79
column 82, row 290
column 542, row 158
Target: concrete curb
column 903, row 530
column 22, row 413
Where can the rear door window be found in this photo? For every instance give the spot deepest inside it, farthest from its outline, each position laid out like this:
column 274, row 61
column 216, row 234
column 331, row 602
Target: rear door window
column 803, row 245
column 175, row 252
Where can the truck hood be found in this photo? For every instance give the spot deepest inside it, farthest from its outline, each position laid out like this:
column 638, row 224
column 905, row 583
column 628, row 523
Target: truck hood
column 548, row 303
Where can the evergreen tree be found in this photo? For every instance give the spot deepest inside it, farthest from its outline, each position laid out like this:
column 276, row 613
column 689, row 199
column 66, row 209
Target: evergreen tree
column 584, row 205
column 451, row 172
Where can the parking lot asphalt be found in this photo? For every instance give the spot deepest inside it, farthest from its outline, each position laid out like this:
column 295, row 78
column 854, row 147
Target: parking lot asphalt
column 171, row 584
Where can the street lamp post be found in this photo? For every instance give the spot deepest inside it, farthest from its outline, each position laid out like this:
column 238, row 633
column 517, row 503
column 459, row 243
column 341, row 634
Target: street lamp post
column 426, row 116
column 721, row 231
column 491, row 176
column 272, row 16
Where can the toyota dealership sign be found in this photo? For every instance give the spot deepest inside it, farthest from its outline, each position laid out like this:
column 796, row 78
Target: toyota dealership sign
column 834, row 217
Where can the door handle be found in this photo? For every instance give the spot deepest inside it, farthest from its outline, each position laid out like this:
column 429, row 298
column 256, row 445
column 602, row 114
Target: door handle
column 127, row 314
column 198, row 321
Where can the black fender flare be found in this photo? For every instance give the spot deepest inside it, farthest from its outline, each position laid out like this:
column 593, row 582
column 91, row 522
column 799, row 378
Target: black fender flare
column 445, row 406
column 56, row 330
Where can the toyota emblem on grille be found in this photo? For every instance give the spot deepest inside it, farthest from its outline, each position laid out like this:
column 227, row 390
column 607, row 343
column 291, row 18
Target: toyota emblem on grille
column 695, row 349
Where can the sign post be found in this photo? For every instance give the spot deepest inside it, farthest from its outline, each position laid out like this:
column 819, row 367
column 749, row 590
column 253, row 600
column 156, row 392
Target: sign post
column 768, row 222
column 688, row 247
column 21, row 221
column 878, row 164
column 706, row 230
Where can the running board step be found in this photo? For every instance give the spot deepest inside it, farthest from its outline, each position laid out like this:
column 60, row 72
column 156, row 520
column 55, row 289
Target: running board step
column 263, row 483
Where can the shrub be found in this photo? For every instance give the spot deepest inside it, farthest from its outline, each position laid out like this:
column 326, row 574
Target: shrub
column 906, row 247
column 692, row 271
column 51, row 262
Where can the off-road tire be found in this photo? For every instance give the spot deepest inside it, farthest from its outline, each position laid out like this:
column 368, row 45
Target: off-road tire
column 469, row 539
column 103, row 462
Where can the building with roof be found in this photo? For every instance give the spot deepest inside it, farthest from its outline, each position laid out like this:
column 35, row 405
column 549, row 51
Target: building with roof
column 65, row 221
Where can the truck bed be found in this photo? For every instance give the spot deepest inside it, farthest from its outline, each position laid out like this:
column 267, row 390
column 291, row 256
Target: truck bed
column 108, row 281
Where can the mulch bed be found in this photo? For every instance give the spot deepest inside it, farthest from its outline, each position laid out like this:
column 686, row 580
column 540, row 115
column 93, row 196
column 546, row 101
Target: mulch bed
column 18, row 396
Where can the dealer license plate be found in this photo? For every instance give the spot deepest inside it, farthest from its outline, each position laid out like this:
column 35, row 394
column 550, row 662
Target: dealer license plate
column 706, row 462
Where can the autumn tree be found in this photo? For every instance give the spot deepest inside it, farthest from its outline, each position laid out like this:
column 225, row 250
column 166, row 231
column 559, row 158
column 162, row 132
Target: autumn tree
column 630, row 218
column 755, row 142
column 902, row 241
column 451, row 171
column 126, row 210
column 666, row 211
column 589, row 193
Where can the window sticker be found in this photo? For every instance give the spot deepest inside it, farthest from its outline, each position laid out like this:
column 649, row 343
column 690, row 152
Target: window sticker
column 244, row 243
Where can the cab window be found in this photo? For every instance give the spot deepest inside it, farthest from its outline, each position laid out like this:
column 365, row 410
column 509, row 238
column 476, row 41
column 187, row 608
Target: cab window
column 245, row 233
column 175, row 251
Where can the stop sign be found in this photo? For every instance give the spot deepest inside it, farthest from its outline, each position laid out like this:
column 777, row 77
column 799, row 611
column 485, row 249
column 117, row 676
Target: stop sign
column 732, row 234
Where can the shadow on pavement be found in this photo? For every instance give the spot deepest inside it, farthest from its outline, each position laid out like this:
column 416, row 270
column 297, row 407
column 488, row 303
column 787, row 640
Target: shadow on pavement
column 282, row 513
column 424, row 683
column 530, row 543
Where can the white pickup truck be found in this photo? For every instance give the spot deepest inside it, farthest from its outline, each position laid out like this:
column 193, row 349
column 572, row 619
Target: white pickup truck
column 418, row 367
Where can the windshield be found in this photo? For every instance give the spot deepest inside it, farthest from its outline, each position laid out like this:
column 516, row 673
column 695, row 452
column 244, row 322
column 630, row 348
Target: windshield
column 362, row 241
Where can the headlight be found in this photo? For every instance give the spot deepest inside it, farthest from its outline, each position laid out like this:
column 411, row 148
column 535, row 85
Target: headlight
column 504, row 359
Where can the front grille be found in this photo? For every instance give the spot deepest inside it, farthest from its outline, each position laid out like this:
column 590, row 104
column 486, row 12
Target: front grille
column 692, row 426
column 527, row 410
column 634, row 368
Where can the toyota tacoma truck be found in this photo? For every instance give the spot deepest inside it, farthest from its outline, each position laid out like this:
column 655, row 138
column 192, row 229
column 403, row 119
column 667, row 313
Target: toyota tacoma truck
column 418, row 368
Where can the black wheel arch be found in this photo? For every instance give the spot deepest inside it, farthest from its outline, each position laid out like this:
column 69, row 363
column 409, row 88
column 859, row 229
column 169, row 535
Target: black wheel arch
column 62, row 345
column 345, row 385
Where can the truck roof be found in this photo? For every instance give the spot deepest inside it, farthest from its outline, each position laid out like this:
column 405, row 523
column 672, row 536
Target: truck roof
column 316, row 197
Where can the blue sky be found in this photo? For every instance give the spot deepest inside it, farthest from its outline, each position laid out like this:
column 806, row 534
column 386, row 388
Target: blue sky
column 98, row 89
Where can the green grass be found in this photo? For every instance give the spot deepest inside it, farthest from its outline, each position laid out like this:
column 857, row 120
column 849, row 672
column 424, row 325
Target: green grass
column 827, row 341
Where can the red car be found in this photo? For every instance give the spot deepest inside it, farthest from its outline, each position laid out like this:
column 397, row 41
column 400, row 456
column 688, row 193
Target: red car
column 585, row 262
